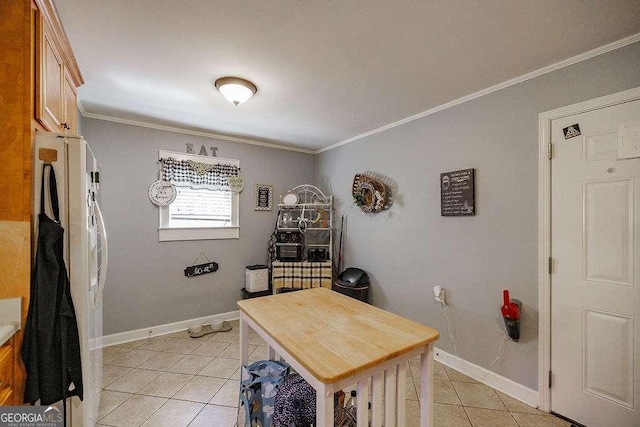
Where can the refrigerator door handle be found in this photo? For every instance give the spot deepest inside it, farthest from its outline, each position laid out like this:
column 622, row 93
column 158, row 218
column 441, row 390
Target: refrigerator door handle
column 104, row 260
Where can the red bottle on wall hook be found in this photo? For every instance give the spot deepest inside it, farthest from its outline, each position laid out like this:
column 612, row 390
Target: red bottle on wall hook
column 511, row 314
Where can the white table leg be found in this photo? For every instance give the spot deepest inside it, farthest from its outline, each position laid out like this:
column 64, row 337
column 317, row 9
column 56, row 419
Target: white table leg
column 324, row 406
column 244, row 341
column 426, row 387
column 402, row 391
column 362, row 407
column 272, row 352
column 376, row 399
column 390, row 397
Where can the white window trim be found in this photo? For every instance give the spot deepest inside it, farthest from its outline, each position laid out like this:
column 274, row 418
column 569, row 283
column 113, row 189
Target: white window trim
column 171, row 234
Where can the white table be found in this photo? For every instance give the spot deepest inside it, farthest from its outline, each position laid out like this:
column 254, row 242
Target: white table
column 334, row 342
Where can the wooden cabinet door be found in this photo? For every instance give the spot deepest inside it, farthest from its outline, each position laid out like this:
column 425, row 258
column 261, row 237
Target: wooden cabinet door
column 56, row 73
column 6, row 373
column 70, row 122
column 49, row 93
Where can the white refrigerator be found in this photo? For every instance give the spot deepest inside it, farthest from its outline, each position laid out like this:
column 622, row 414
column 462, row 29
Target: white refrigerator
column 78, row 178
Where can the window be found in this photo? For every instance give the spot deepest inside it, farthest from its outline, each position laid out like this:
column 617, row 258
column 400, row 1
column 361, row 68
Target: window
column 200, row 209
column 204, row 207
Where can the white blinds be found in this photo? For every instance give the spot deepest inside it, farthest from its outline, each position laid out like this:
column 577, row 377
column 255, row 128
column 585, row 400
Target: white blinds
column 201, row 208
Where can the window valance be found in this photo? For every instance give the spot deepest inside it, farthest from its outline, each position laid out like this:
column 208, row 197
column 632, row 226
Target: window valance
column 198, row 175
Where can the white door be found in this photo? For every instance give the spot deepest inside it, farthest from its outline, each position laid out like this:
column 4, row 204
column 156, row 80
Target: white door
column 595, row 284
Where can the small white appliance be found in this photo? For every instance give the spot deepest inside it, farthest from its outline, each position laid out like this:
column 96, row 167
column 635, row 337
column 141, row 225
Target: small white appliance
column 78, row 178
column 256, row 278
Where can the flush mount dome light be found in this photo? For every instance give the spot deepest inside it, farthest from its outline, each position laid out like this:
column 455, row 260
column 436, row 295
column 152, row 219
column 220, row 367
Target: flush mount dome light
column 235, row 89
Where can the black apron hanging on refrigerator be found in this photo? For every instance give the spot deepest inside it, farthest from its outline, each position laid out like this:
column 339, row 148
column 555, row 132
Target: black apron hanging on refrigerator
column 51, row 345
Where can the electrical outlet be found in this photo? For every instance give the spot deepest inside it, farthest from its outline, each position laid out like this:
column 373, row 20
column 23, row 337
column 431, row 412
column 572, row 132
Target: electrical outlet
column 438, row 293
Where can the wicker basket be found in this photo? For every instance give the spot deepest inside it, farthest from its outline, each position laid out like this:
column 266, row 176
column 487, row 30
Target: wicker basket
column 369, row 193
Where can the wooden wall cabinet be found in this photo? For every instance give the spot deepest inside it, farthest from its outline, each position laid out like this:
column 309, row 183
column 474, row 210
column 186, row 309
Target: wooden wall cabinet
column 7, row 355
column 38, row 81
column 57, row 75
column 49, row 89
column 70, row 104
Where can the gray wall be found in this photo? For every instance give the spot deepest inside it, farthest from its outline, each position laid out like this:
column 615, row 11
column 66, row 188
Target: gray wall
column 406, row 250
column 145, row 284
column 411, row 248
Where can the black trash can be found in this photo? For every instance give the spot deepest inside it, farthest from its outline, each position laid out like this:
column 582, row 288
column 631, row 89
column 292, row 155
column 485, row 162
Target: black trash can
column 354, row 283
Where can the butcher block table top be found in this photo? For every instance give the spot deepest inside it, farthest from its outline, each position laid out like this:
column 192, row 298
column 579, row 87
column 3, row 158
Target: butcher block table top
column 334, row 336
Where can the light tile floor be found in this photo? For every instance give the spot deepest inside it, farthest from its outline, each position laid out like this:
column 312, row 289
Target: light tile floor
column 175, row 380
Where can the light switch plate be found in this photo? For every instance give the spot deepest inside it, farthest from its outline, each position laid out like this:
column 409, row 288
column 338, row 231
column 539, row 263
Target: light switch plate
column 629, row 140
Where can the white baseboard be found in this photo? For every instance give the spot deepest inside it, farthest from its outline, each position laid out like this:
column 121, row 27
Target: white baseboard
column 498, row 382
column 490, row 378
column 168, row 328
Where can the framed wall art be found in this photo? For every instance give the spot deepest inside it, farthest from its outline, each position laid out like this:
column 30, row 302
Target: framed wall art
column 457, row 193
column 263, row 197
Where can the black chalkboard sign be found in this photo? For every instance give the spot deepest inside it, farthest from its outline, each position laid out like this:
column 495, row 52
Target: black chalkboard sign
column 264, row 197
column 197, row 270
column 457, row 193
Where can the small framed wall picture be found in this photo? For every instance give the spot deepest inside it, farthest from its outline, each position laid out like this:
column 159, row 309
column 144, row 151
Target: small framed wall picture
column 264, row 197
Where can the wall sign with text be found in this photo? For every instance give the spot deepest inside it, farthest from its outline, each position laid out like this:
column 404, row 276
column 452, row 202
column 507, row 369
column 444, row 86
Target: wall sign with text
column 457, row 193
column 200, row 269
column 162, row 193
column 264, row 197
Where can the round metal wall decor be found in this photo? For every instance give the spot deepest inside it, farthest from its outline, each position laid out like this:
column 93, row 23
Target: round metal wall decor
column 162, row 193
column 370, row 194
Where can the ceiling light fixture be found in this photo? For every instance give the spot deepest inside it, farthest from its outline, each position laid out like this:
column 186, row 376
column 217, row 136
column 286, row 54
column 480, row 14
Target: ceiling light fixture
column 235, row 89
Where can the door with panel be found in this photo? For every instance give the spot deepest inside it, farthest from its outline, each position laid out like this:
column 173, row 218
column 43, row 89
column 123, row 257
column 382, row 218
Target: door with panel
column 595, row 285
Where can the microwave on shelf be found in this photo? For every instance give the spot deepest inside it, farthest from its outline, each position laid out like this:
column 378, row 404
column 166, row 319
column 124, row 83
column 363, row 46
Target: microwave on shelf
column 289, row 252
column 317, row 255
column 289, row 237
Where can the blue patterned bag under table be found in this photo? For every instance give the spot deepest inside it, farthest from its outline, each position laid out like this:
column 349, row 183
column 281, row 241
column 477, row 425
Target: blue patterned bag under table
column 258, row 387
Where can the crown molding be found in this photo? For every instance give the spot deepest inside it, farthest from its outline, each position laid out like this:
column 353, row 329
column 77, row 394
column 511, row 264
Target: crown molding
column 191, row 132
column 528, row 76
column 531, row 75
column 83, row 112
